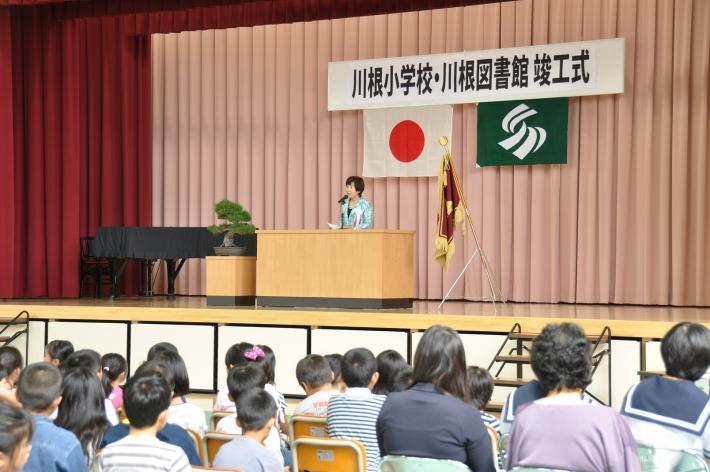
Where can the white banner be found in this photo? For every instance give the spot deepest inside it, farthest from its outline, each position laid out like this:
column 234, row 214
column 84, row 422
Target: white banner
column 544, row 71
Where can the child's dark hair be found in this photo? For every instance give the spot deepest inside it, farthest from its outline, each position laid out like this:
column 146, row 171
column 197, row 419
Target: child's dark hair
column 480, row 386
column 59, row 349
column 83, row 358
column 256, row 408
column 243, row 378
column 145, row 397
column 39, row 386
column 269, row 363
column 235, row 354
column 686, row 350
column 395, row 373
column 176, row 365
column 335, row 361
column 112, row 365
column 358, row 366
column 157, row 368
column 15, row 425
column 157, row 348
column 10, row 360
column 314, row 370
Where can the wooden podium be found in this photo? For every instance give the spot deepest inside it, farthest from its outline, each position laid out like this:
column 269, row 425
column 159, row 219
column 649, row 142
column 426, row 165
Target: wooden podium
column 335, row 268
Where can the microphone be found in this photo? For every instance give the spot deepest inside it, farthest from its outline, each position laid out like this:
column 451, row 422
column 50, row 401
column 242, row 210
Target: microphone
column 342, row 200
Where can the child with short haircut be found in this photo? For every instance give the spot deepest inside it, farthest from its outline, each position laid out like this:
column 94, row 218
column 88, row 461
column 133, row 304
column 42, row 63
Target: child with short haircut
column 10, row 366
column 16, row 428
column 114, row 374
column 334, row 360
column 146, row 400
column 170, row 433
column 670, row 411
column 353, row 414
column 57, row 351
column 257, row 415
column 53, row 448
column 315, row 377
column 480, row 390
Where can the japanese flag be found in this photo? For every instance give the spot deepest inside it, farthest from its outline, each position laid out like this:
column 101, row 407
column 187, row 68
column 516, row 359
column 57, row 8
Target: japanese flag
column 404, row 142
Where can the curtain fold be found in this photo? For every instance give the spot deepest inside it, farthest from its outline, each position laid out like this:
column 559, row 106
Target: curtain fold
column 242, row 114
column 76, row 140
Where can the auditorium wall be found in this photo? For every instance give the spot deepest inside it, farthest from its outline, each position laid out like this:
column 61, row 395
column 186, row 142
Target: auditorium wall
column 242, row 113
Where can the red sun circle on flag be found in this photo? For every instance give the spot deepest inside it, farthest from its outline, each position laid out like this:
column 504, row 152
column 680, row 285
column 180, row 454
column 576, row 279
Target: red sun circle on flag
column 406, row 141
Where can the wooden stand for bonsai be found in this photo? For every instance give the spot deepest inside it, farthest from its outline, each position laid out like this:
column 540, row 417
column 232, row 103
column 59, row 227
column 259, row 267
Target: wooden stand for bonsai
column 231, row 280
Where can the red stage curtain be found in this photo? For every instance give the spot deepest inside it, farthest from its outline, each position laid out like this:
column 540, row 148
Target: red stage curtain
column 75, row 140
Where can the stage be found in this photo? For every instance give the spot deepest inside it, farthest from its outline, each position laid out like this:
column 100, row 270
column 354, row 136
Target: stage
column 130, row 325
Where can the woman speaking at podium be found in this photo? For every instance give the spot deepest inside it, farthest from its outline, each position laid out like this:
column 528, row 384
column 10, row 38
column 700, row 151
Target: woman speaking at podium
column 355, row 211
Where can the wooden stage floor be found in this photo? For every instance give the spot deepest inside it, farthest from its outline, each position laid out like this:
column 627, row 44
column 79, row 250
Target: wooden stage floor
column 625, row 320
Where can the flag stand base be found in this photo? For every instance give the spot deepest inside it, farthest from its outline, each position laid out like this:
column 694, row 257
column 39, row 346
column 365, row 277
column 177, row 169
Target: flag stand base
column 478, row 252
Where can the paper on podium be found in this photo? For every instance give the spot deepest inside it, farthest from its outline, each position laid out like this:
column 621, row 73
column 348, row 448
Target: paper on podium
column 333, row 226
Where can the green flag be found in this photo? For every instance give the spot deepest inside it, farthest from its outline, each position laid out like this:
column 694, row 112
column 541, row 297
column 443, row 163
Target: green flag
column 522, row 132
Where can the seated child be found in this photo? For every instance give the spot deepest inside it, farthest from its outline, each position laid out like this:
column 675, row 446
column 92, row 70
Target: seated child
column 16, row 429
column 257, row 414
column 10, row 366
column 480, row 390
column 334, row 360
column 232, row 358
column 315, row 377
column 669, row 410
column 353, row 414
column 241, row 380
column 54, row 449
column 157, row 348
column 91, row 360
column 57, row 351
column 114, row 374
column 170, row 434
column 181, row 412
column 146, row 400
column 270, row 371
column 394, row 373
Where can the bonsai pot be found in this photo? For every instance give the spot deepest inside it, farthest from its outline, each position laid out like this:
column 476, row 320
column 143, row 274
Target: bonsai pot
column 230, row 250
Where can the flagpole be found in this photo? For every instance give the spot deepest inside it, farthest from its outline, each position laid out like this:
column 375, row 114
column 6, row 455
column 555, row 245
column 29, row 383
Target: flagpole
column 444, row 141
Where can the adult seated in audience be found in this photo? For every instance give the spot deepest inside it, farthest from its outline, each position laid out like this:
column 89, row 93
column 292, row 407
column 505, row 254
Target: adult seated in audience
column 394, row 374
column 562, row 431
column 10, row 365
column 315, row 378
column 480, row 390
column 81, row 410
column 257, row 415
column 353, row 414
column 57, row 351
column 181, row 412
column 431, row 419
column 16, row 429
column 91, row 360
column 170, row 433
column 334, row 360
column 146, row 401
column 669, row 410
column 53, row 448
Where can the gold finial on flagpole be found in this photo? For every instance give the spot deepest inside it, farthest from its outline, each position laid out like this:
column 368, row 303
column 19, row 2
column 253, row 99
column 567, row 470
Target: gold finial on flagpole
column 443, row 140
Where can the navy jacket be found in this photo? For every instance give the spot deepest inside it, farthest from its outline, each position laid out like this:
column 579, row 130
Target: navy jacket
column 170, row 434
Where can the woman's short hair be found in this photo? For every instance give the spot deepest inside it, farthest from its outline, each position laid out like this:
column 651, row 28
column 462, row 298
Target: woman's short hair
column 480, row 386
column 15, row 425
column 357, row 182
column 562, row 357
column 59, row 349
column 395, row 373
column 441, row 360
column 686, row 350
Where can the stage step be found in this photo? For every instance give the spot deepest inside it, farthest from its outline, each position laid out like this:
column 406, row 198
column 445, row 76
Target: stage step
column 510, row 382
column 514, row 359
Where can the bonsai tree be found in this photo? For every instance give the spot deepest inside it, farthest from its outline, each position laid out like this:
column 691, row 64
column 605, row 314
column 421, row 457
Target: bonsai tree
column 237, row 221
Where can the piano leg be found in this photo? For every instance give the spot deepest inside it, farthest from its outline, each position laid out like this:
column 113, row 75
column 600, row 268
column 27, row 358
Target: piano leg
column 115, row 275
column 170, row 265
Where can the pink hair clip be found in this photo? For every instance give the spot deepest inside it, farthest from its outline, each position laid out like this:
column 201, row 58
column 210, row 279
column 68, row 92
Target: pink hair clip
column 254, row 353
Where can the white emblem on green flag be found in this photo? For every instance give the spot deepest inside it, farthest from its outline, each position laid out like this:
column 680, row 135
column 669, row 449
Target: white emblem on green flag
column 522, row 132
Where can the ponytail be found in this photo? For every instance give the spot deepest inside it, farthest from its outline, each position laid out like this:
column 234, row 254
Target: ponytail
column 112, row 366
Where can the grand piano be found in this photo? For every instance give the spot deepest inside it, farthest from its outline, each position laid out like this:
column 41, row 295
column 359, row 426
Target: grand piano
column 173, row 245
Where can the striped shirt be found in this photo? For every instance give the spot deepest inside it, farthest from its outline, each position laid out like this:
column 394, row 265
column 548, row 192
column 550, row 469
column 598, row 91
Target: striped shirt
column 353, row 415
column 491, row 421
column 143, row 453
